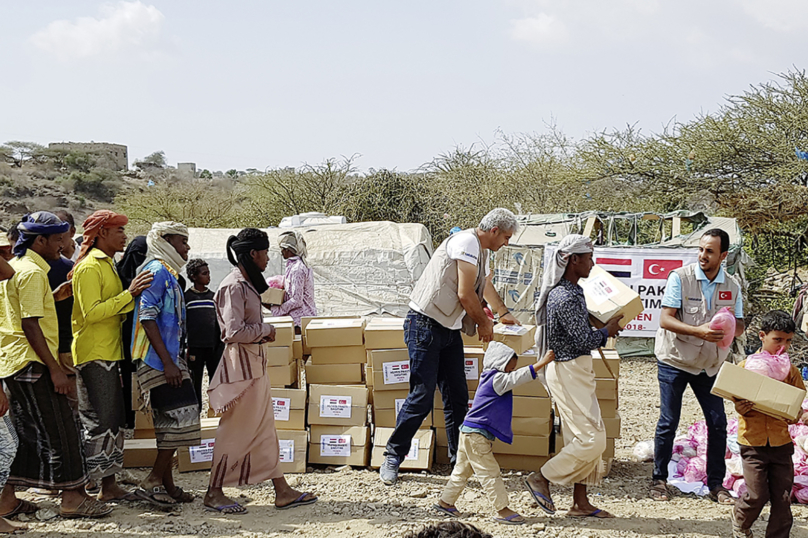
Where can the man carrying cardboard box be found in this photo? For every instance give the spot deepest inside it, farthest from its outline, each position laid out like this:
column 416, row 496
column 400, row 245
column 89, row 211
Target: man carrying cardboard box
column 563, row 325
column 688, row 354
column 446, row 299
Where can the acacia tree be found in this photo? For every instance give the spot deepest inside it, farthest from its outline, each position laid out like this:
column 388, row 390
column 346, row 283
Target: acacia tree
column 18, row 153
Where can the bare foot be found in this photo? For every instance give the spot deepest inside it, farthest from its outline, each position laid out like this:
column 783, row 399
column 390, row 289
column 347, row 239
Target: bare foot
column 10, row 527
column 508, row 513
column 216, row 499
column 589, row 511
column 291, row 495
column 536, row 482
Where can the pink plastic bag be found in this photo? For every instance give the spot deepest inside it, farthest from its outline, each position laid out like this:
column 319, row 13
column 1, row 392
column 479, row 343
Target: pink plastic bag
column 696, row 470
column 275, row 282
column 739, row 487
column 773, row 366
column 724, row 320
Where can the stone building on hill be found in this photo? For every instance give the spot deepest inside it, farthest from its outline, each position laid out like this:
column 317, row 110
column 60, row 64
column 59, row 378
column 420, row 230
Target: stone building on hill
column 112, row 156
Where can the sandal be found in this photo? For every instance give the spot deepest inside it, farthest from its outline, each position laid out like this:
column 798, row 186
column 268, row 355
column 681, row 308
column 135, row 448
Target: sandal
column 23, row 507
column 298, row 502
column 234, row 508
column 544, row 503
column 451, row 512
column 659, row 491
column 181, row 496
column 513, row 519
column 721, row 495
column 151, row 496
column 88, row 508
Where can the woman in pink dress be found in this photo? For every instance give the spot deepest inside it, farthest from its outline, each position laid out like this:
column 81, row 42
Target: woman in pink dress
column 298, row 280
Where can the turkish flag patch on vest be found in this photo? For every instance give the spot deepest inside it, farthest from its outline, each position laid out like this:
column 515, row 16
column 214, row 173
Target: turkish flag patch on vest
column 724, row 295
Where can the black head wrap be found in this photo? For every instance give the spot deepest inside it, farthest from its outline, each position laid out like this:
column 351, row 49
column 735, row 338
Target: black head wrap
column 242, row 249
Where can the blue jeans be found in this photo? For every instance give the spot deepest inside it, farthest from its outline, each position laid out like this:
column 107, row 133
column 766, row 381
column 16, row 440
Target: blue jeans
column 436, row 359
column 672, row 385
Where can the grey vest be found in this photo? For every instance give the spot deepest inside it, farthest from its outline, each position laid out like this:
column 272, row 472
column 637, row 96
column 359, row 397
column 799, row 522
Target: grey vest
column 435, row 293
column 690, row 353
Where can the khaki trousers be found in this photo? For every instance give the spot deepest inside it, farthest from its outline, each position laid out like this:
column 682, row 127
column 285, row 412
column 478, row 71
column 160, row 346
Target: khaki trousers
column 475, row 456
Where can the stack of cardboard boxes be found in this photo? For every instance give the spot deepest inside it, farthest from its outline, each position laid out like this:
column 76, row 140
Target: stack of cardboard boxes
column 290, row 423
column 337, row 350
column 338, row 417
column 282, row 367
column 140, row 451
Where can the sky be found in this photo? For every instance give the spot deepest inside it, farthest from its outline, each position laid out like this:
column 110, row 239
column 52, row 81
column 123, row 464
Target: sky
column 271, row 84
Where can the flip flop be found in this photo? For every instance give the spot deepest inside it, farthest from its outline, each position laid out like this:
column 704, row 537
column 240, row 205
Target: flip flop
column 594, row 514
column 151, row 496
column 510, row 520
column 451, row 512
column 543, row 502
column 228, row 509
column 298, row 502
column 23, row 507
column 88, row 508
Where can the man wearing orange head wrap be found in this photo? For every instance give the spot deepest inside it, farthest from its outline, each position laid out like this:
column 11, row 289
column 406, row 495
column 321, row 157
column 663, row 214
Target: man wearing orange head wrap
column 100, row 307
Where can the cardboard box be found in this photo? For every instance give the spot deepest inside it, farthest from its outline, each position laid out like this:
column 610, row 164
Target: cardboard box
column 608, row 408
column 387, row 399
column 442, row 455
column 524, row 406
column 143, row 420
column 440, row 437
column 606, row 389
column 471, row 341
column 771, row 397
column 385, row 333
column 524, row 445
column 290, row 408
column 284, row 333
column 334, row 374
column 520, row 338
column 273, row 296
column 421, row 452
column 199, row 458
column 293, row 447
column 369, row 380
column 297, row 347
column 139, row 453
column 282, row 376
column 143, row 434
column 612, row 426
column 473, row 361
column 337, row 445
column 386, row 418
column 335, row 332
column 521, row 463
column 532, row 389
column 607, row 297
column 611, row 368
column 535, row 426
column 338, row 355
column 438, row 401
column 338, row 405
column 391, row 369
column 279, row 355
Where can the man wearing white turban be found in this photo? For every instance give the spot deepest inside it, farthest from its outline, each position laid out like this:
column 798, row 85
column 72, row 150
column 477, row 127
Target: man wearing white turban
column 563, row 325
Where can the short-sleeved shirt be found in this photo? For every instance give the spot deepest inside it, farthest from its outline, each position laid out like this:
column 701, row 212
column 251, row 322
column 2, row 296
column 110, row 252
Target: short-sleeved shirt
column 101, row 305
column 26, row 295
column 461, row 247
column 673, row 291
column 757, row 429
column 163, row 303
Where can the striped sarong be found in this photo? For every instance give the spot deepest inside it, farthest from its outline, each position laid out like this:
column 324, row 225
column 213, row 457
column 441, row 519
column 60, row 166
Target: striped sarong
column 175, row 411
column 101, row 410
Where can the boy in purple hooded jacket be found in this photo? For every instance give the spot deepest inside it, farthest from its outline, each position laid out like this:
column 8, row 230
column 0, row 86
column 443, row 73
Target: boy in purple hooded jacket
column 488, row 419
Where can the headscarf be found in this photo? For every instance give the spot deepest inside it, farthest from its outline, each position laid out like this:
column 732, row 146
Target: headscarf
column 497, row 356
column 160, row 249
column 295, row 242
column 35, row 224
column 242, row 249
column 553, row 272
column 103, row 218
column 133, row 257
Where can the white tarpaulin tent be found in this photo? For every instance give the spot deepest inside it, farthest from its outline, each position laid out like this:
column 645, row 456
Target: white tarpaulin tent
column 361, row 268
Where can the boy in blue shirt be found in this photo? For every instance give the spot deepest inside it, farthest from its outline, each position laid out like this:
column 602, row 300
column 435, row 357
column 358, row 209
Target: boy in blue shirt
column 488, row 419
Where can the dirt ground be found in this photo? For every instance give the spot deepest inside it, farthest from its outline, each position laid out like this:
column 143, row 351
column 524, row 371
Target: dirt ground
column 353, row 502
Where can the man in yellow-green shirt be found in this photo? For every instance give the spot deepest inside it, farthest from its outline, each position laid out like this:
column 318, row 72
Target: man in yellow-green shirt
column 99, row 309
column 50, row 454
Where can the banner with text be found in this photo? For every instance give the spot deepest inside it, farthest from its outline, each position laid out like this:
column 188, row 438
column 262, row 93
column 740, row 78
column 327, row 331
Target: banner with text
column 646, row 271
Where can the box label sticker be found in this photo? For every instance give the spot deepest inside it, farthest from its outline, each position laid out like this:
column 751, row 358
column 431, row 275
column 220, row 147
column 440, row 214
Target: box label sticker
column 281, row 408
column 335, row 406
column 413, row 453
column 287, row 447
column 512, row 330
column 396, row 372
column 335, row 445
column 600, row 289
column 339, row 323
column 472, row 371
column 203, row 452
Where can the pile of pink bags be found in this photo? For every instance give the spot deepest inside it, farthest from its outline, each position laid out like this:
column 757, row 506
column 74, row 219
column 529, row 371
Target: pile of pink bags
column 690, row 455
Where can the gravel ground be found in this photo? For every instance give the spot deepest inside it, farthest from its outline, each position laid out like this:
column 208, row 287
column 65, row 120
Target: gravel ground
column 353, row 502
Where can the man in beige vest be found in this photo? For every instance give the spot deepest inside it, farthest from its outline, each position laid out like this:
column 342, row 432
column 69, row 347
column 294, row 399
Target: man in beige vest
column 687, row 354
column 446, row 299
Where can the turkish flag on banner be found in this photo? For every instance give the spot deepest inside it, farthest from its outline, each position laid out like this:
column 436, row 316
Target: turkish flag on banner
column 659, row 269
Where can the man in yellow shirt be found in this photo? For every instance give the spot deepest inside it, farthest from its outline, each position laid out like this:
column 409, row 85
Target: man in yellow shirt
column 49, row 454
column 99, row 309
